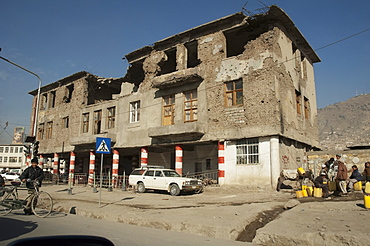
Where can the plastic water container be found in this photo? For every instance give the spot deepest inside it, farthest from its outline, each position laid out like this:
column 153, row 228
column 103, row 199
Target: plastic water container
column 367, row 201
column 317, row 192
column 309, row 190
column 357, row 185
column 301, row 171
column 304, row 193
column 332, row 185
column 299, row 194
column 367, row 188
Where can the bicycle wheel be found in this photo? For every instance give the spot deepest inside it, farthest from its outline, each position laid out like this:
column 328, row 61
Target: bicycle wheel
column 42, row 204
column 6, row 204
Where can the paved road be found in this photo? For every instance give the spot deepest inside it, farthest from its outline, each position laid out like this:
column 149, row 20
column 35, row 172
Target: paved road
column 17, row 225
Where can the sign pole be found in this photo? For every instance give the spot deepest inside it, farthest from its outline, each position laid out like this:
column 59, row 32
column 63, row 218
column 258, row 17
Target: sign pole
column 101, row 177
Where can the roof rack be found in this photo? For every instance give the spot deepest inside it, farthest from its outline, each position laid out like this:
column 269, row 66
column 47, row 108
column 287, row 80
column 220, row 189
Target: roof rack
column 152, row 166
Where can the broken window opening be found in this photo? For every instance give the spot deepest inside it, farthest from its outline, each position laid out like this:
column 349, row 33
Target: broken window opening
column 44, row 101
column 85, row 122
column 68, row 96
column 306, row 108
column 168, row 65
column 49, row 130
column 234, row 93
column 237, row 38
column 52, row 99
column 65, row 122
column 192, row 54
column 41, row 131
column 97, row 121
column 298, row 101
column 111, row 117
column 168, row 110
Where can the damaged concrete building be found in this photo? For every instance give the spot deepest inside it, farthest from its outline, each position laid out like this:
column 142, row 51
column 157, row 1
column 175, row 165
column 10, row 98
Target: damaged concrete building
column 235, row 96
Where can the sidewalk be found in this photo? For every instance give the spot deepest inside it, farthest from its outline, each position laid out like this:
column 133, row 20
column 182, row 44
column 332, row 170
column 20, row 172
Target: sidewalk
column 220, row 212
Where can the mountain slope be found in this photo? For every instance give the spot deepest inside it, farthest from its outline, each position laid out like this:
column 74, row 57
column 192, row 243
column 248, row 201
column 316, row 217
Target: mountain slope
column 345, row 124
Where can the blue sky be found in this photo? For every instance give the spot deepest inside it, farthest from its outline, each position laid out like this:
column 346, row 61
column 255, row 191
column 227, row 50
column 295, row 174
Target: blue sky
column 57, row 38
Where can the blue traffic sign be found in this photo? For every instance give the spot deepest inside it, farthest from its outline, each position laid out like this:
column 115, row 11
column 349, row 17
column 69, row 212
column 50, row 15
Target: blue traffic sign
column 103, row 145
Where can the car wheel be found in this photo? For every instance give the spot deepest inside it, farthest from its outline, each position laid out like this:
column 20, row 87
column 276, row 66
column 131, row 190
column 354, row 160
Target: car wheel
column 140, row 187
column 174, row 190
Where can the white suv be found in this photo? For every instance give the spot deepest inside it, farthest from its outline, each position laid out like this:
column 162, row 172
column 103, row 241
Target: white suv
column 160, row 178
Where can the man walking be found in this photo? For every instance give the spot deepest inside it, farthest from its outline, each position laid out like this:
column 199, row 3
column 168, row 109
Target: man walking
column 342, row 177
column 32, row 173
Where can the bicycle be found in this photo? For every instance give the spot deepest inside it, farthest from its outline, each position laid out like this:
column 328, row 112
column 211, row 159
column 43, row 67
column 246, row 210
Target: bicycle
column 41, row 204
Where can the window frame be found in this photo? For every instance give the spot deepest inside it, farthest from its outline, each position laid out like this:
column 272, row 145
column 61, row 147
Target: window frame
column 247, row 151
column 236, row 93
column 135, row 111
column 168, row 106
column 192, row 108
column 111, row 117
column 85, row 122
column 49, row 130
column 97, row 121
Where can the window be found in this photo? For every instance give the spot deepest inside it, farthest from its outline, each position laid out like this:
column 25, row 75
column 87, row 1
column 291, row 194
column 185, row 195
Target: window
column 234, row 93
column 68, row 93
column 1, row 149
column 44, row 101
column 6, row 149
column 5, row 159
column 1, row 159
column 20, row 149
column 135, row 112
column 191, row 106
column 13, row 159
column 168, row 110
column 168, row 64
column 192, row 54
column 111, row 112
column 97, row 122
column 65, row 122
column 247, row 151
column 19, row 159
column 11, row 150
column 49, row 130
column 306, row 108
column 85, row 122
column 298, row 101
column 52, row 99
column 41, row 131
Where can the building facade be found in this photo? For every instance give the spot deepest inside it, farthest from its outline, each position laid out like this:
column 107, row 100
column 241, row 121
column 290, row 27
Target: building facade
column 12, row 157
column 235, row 96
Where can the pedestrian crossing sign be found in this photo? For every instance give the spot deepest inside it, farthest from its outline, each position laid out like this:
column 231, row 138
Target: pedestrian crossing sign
column 103, row 145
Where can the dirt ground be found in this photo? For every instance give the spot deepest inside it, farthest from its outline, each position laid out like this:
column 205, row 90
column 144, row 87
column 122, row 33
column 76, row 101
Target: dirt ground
column 242, row 214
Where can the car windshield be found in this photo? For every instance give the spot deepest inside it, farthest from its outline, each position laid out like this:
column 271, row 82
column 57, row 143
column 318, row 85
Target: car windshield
column 171, row 174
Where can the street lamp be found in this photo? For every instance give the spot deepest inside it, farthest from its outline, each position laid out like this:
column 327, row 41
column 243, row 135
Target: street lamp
column 38, row 93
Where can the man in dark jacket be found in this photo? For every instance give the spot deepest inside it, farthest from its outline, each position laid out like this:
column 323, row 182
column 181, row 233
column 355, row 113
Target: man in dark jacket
column 354, row 178
column 32, row 173
column 322, row 182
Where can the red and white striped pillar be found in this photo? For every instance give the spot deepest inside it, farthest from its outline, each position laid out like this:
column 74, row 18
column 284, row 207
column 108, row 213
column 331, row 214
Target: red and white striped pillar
column 144, row 157
column 41, row 162
column 178, row 157
column 91, row 168
column 28, row 160
column 115, row 167
column 72, row 161
column 56, row 164
column 221, row 162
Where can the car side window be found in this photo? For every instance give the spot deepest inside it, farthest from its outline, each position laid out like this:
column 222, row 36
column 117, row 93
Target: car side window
column 158, row 174
column 149, row 173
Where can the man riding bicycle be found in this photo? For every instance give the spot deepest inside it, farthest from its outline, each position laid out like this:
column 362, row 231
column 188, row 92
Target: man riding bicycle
column 32, row 173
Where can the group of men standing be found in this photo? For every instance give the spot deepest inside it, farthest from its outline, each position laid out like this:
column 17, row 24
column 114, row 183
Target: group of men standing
column 336, row 170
